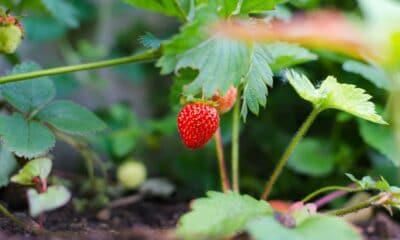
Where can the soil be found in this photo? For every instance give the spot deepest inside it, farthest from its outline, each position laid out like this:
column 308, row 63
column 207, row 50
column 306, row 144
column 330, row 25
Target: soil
column 151, row 219
column 148, row 219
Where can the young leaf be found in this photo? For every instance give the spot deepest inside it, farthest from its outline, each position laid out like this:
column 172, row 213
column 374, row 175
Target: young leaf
column 26, row 138
column 381, row 138
column 220, row 215
column 367, row 183
column 331, row 94
column 54, row 197
column 314, row 227
column 8, row 165
column 312, row 157
column 63, row 11
column 28, row 95
column 71, row 118
column 373, row 74
column 39, row 167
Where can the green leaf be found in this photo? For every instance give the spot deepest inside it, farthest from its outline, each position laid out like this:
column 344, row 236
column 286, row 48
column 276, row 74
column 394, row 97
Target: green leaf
column 167, row 7
column 8, row 165
column 331, row 94
column 39, row 167
column 242, row 63
column 367, row 183
column 63, row 11
column 54, row 197
column 71, row 118
column 313, row 157
column 257, row 6
column 123, row 142
column 25, row 138
column 220, row 215
column 259, row 76
column 207, row 58
column 314, row 227
column 189, row 36
column 381, row 138
column 372, row 73
column 285, row 55
column 28, row 95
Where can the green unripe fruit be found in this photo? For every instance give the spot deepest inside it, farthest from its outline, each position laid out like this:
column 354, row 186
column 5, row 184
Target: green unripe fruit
column 131, row 174
column 10, row 38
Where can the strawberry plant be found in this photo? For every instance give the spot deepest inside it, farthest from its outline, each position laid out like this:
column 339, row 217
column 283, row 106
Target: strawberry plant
column 226, row 61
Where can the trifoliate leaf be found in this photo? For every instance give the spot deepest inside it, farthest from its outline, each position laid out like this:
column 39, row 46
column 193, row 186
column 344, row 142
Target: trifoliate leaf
column 220, row 215
column 71, row 118
column 285, row 55
column 314, row 227
column 28, row 95
column 25, row 138
column 8, row 165
column 54, row 197
column 63, row 11
column 381, row 138
column 312, row 157
column 372, row 73
column 331, row 94
column 39, row 167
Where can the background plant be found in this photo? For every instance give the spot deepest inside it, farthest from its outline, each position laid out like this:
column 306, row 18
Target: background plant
column 257, row 63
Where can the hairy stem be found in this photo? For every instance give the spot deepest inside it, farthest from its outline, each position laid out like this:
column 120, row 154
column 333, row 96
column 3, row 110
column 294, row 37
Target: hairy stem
column 289, row 150
column 140, row 57
column 328, row 189
column 235, row 145
column 351, row 209
column 221, row 161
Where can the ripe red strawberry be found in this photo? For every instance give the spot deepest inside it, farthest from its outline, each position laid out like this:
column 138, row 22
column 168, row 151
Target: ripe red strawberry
column 226, row 102
column 197, row 123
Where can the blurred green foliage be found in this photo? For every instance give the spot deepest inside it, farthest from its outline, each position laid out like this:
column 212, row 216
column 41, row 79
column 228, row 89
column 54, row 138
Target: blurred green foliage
column 334, row 146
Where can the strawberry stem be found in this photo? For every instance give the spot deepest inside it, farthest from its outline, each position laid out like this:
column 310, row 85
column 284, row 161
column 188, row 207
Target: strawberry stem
column 328, row 189
column 289, row 150
column 140, row 57
column 235, row 144
column 221, row 161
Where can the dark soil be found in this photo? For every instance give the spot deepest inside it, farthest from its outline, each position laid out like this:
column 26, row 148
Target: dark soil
column 147, row 219
column 151, row 219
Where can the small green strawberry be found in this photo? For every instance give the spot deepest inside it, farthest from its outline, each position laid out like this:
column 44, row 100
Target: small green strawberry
column 11, row 34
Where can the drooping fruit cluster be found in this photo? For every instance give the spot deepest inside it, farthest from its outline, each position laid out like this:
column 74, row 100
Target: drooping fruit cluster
column 226, row 102
column 197, row 123
column 11, row 33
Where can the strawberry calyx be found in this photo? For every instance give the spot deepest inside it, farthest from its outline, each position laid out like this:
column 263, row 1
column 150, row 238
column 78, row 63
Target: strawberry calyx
column 8, row 20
